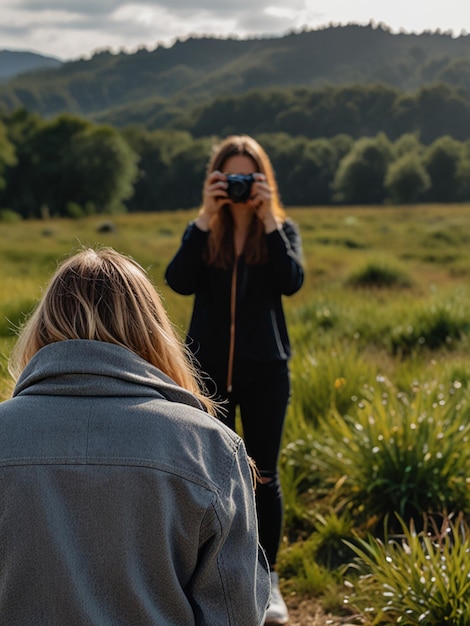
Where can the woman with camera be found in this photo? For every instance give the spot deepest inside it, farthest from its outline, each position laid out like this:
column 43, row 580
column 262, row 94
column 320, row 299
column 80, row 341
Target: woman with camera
column 239, row 257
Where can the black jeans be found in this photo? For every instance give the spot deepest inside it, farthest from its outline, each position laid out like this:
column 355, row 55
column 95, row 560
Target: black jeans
column 262, row 392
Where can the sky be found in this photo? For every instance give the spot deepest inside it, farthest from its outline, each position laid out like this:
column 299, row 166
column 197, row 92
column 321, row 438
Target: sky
column 70, row 29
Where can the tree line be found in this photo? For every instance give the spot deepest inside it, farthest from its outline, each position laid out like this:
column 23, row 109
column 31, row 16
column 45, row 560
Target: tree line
column 357, row 110
column 69, row 166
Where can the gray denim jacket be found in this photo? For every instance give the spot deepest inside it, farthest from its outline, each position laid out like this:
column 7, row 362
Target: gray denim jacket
column 122, row 502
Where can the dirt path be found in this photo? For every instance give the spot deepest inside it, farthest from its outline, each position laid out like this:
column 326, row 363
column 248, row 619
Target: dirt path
column 308, row 612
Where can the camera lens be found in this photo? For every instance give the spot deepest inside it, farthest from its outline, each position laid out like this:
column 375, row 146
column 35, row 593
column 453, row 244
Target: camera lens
column 237, row 189
column 239, row 186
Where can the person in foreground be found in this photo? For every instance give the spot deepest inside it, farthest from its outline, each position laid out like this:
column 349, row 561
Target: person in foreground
column 124, row 500
column 239, row 257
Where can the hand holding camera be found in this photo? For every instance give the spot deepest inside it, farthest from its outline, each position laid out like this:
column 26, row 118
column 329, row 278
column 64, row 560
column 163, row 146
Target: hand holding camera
column 252, row 189
column 214, row 196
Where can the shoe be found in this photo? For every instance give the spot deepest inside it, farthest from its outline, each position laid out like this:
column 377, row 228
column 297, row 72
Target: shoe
column 276, row 612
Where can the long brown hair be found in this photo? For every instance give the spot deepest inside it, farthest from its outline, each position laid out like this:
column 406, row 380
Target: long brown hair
column 102, row 295
column 220, row 250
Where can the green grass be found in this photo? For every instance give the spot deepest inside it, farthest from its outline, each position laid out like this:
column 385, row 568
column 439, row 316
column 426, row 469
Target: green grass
column 415, row 578
column 399, row 452
column 377, row 425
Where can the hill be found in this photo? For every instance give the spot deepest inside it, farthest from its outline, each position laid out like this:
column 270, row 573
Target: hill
column 163, row 83
column 14, row 62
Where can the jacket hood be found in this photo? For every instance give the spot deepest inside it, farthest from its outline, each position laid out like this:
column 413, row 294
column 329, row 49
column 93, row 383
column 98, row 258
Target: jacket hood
column 80, row 367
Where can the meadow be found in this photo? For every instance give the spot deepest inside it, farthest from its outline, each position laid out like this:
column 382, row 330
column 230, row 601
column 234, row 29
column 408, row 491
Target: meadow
column 376, row 461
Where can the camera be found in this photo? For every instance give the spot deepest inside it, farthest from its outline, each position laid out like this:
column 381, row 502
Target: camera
column 239, row 187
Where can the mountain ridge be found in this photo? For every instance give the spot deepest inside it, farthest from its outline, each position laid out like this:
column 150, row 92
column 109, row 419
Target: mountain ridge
column 199, row 69
column 16, row 62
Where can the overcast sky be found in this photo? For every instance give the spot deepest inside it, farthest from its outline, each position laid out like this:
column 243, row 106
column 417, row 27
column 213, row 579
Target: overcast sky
column 69, row 29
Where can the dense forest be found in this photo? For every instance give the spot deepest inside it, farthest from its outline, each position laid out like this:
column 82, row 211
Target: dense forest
column 69, row 166
column 351, row 114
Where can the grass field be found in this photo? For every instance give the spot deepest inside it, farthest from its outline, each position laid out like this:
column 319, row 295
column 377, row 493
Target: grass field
column 380, row 339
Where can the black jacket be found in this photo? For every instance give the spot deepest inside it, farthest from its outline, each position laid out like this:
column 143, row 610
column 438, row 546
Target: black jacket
column 259, row 322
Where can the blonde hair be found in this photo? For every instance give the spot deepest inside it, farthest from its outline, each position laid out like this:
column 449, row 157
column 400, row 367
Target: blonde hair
column 102, row 295
column 220, row 251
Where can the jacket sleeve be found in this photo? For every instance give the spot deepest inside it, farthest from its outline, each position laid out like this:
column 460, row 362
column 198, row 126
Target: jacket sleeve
column 285, row 257
column 184, row 270
column 231, row 585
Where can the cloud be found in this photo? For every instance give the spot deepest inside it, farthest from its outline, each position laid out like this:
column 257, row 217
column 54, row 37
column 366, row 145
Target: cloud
column 74, row 28
column 75, row 7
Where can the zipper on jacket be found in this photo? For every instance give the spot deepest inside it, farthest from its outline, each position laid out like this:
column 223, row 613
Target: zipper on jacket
column 277, row 336
column 233, row 302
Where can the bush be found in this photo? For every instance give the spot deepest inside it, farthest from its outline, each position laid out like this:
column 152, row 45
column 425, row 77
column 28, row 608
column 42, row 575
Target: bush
column 7, row 216
column 74, row 210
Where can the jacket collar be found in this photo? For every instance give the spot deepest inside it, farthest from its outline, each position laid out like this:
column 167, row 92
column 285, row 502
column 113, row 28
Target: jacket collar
column 94, row 368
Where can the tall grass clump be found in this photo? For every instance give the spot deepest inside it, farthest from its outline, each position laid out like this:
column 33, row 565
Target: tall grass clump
column 397, row 452
column 379, row 274
column 315, row 565
column 415, row 578
column 434, row 327
column 298, row 564
column 327, row 378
